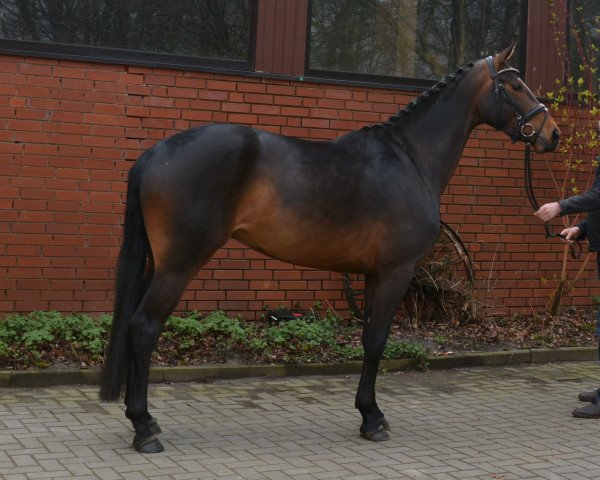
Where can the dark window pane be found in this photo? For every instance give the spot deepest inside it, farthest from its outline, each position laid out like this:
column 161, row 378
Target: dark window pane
column 201, row 28
column 409, row 38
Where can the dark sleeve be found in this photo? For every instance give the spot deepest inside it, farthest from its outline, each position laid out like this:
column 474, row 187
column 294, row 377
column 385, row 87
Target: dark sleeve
column 582, row 230
column 585, row 202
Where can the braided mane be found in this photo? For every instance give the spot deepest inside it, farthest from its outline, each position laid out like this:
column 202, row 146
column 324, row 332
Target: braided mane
column 426, row 95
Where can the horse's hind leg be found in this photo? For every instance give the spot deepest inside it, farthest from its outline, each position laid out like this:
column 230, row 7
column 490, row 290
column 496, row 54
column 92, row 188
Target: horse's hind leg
column 166, row 287
column 146, row 326
column 383, row 295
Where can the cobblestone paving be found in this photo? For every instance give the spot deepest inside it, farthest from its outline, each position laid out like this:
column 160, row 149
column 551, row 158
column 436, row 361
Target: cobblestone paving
column 491, row 423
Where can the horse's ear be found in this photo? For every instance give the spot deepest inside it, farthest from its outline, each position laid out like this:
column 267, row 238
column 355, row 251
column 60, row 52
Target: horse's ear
column 503, row 57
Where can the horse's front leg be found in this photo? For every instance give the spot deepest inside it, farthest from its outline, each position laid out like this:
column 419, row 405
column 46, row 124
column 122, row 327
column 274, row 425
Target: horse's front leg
column 383, row 295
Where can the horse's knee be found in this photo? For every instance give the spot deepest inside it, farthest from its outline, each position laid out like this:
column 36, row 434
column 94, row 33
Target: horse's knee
column 373, row 347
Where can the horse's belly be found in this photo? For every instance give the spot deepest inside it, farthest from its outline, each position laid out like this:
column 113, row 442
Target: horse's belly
column 344, row 251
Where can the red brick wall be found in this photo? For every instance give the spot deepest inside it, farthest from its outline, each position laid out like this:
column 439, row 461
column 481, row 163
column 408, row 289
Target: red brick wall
column 69, row 132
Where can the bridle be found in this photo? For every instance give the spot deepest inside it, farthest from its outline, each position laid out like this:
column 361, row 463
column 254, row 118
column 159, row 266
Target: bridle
column 525, row 131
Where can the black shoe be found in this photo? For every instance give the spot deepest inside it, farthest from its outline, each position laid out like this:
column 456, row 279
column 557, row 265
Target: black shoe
column 590, row 411
column 588, row 397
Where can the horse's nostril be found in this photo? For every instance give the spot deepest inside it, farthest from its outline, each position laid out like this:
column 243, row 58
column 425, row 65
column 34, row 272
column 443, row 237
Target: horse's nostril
column 556, row 135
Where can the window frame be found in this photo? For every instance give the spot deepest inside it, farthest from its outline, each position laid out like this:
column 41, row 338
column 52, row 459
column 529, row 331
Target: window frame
column 409, row 83
column 97, row 54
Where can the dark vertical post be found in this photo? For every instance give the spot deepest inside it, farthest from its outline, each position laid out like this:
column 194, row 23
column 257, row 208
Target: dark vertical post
column 281, row 36
column 546, row 44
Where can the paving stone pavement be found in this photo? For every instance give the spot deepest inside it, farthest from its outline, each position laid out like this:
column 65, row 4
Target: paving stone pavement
column 478, row 423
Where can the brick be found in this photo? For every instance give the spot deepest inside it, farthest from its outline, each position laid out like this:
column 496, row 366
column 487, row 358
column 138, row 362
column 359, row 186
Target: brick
column 31, row 69
column 275, row 89
column 236, row 107
column 267, row 110
column 242, row 118
column 288, row 101
column 255, row 98
column 315, row 123
column 221, row 85
column 240, row 295
column 191, row 82
column 302, row 91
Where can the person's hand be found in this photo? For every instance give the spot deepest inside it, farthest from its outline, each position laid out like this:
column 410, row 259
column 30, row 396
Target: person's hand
column 571, row 233
column 548, row 211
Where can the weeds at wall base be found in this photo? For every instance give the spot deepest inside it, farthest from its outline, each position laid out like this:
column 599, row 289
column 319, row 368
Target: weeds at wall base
column 53, row 340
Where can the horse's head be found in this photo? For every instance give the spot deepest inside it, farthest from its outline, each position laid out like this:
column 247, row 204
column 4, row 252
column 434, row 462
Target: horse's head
column 507, row 104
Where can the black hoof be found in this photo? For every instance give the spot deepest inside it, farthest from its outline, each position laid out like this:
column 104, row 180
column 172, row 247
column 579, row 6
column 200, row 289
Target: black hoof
column 148, row 445
column 377, row 434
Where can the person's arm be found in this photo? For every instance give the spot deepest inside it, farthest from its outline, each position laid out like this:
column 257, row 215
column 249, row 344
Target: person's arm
column 585, row 202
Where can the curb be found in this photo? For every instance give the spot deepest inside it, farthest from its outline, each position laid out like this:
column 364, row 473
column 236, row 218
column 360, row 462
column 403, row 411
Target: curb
column 47, row 378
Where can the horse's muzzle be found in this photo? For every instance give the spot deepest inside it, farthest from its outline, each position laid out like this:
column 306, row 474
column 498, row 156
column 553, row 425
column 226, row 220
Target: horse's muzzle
column 542, row 144
column 555, row 138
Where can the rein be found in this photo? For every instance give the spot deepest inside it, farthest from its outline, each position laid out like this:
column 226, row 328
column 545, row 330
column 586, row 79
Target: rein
column 525, row 131
column 575, row 247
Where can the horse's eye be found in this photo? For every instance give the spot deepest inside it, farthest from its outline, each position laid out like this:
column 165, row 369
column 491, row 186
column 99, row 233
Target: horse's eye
column 517, row 86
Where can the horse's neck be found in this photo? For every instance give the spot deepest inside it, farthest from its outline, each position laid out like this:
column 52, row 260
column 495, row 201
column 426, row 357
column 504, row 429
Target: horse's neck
column 435, row 135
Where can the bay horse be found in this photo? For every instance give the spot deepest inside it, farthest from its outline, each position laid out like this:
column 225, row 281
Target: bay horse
column 367, row 202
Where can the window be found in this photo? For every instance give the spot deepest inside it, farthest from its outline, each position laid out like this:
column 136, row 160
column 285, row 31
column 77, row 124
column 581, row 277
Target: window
column 152, row 31
column 417, row 39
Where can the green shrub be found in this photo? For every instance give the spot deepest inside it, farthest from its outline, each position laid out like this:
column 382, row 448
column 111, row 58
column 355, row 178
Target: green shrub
column 397, row 349
column 42, row 338
column 192, row 337
column 298, row 340
column 36, row 336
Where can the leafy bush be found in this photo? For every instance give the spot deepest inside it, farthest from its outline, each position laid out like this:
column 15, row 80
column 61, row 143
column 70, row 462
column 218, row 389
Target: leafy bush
column 401, row 349
column 193, row 337
column 298, row 340
column 42, row 339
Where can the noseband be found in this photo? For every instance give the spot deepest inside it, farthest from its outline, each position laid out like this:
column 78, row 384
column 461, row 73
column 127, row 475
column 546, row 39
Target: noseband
column 525, row 130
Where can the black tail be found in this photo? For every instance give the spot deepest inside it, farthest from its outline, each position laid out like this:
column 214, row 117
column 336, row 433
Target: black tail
column 130, row 287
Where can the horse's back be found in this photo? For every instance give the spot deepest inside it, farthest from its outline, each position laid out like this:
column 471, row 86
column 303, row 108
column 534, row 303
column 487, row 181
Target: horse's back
column 197, row 147
column 221, row 161
column 211, row 159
